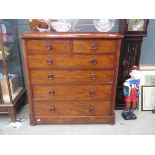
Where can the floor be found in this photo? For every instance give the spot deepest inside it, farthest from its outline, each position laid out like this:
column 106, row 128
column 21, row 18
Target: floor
column 144, row 125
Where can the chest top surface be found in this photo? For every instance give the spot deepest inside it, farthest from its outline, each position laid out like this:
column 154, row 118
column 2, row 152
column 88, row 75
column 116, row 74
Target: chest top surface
column 106, row 35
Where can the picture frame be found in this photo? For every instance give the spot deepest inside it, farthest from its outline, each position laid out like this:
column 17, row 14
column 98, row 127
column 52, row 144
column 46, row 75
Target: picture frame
column 147, row 97
column 147, row 78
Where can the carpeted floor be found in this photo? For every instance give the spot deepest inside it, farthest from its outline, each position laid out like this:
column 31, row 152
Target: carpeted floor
column 145, row 124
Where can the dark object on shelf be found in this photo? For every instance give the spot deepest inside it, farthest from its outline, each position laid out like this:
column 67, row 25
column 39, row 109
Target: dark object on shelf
column 75, row 79
column 130, row 52
column 12, row 90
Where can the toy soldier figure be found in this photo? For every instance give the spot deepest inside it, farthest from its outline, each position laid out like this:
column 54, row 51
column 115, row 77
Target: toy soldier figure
column 131, row 91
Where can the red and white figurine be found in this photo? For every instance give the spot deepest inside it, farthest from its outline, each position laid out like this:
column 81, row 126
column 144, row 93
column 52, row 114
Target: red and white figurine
column 131, row 92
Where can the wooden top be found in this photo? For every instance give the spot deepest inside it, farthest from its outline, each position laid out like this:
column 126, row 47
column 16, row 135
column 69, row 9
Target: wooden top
column 110, row 35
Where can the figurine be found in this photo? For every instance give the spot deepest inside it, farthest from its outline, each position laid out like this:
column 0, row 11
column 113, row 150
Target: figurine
column 131, row 91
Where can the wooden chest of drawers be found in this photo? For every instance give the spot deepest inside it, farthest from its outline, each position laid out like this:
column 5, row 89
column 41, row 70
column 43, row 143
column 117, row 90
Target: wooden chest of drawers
column 71, row 77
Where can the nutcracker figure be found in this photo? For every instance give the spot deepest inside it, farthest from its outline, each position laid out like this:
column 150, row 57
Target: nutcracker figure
column 131, row 92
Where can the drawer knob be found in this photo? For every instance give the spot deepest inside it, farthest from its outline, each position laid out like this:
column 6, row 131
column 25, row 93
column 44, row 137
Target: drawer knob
column 49, row 61
column 94, row 46
column 92, row 92
column 52, row 109
column 91, row 109
column 93, row 76
column 48, row 47
column 52, row 92
column 50, row 76
column 93, row 61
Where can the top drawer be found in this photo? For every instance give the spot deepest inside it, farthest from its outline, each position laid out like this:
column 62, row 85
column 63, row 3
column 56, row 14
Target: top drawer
column 46, row 46
column 93, row 46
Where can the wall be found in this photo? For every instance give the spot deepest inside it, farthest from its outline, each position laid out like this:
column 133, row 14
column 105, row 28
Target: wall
column 148, row 47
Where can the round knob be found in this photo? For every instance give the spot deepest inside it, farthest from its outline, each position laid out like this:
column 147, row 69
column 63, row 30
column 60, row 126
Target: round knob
column 52, row 92
column 94, row 46
column 52, row 109
column 93, row 61
column 48, row 47
column 91, row 109
column 49, row 61
column 92, row 92
column 50, row 76
column 93, row 76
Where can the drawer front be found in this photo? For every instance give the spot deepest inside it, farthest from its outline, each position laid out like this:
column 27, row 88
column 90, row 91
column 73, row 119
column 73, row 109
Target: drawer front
column 71, row 76
column 72, row 92
column 73, row 108
column 93, row 46
column 56, row 46
column 71, row 61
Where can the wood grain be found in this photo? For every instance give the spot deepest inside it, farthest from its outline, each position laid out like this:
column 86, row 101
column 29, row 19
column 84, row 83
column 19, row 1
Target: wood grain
column 73, row 119
column 72, row 108
column 72, row 92
column 74, row 35
column 71, row 76
column 49, row 46
column 71, row 61
column 93, row 46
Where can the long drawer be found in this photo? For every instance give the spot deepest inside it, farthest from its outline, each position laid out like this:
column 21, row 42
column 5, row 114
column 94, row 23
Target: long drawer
column 94, row 46
column 71, row 61
column 48, row 46
column 72, row 108
column 71, row 76
column 72, row 92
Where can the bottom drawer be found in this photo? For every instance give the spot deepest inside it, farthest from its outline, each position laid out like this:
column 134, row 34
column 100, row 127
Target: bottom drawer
column 72, row 108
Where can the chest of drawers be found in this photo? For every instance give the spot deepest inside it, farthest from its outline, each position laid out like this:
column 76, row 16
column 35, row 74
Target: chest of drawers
column 71, row 77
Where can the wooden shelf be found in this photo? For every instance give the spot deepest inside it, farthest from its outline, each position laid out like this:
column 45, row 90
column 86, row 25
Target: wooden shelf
column 10, row 85
column 15, row 100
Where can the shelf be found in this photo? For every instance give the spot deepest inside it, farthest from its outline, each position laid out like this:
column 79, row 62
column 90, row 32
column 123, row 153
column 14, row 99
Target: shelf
column 20, row 92
column 6, row 98
column 10, row 66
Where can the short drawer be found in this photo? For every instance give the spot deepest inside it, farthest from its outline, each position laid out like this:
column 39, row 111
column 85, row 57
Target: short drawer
column 46, row 46
column 72, row 108
column 72, row 61
column 72, row 92
column 93, row 46
column 71, row 76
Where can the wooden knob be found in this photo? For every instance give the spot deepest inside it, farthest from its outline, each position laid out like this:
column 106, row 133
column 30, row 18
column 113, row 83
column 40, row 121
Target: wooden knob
column 91, row 109
column 92, row 92
column 50, row 76
column 52, row 92
column 52, row 109
column 94, row 61
column 48, row 47
column 93, row 76
column 49, row 61
column 94, row 46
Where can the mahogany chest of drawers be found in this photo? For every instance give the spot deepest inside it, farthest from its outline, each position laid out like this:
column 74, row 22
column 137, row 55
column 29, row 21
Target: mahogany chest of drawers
column 71, row 77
